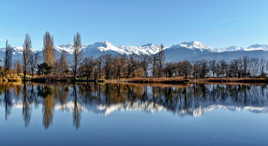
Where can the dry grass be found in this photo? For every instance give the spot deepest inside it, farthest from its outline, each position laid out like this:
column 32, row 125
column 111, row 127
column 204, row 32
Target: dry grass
column 234, row 80
column 163, row 80
column 174, row 80
column 12, row 78
column 161, row 85
column 181, row 80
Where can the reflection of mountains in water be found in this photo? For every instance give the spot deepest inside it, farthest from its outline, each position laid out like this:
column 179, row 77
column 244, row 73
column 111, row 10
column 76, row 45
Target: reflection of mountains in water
column 151, row 107
column 192, row 100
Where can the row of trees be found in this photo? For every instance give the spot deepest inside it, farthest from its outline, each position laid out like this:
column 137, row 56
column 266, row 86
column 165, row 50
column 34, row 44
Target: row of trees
column 115, row 67
column 241, row 67
column 106, row 66
column 120, row 66
column 51, row 64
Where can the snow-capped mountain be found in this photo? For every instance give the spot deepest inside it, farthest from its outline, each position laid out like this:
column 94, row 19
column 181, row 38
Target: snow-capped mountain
column 67, row 48
column 107, row 46
column 104, row 47
column 147, row 49
column 229, row 49
column 193, row 50
column 194, row 45
column 257, row 47
column 150, row 49
column 197, row 51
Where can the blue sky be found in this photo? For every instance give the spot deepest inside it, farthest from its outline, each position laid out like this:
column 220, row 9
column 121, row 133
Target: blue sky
column 217, row 23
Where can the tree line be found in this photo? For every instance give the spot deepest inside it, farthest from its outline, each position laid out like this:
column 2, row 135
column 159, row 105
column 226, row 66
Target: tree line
column 116, row 67
column 123, row 66
column 51, row 65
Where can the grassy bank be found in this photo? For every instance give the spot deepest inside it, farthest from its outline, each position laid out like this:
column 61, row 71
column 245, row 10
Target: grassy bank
column 177, row 80
column 11, row 78
column 232, row 80
column 58, row 78
column 162, row 80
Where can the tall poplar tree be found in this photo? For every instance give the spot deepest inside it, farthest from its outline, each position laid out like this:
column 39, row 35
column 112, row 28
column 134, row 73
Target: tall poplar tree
column 48, row 50
column 77, row 56
column 8, row 57
column 27, row 53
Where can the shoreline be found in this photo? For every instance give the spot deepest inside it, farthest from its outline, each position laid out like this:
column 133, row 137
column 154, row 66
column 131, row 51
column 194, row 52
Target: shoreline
column 178, row 81
column 168, row 81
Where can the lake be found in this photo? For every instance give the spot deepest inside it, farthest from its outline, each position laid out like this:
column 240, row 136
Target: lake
column 117, row 114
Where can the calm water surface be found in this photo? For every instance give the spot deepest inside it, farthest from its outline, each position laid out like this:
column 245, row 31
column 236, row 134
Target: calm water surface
column 133, row 115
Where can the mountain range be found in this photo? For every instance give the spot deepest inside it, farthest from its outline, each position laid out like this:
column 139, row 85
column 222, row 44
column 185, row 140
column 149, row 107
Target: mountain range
column 192, row 51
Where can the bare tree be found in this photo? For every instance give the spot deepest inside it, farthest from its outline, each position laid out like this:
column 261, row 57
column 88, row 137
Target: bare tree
column 186, row 68
column 77, row 55
column 145, row 59
column 19, row 68
column 88, row 67
column 154, row 65
column 98, row 72
column 33, row 62
column 158, row 62
column 8, row 57
column 171, row 69
column 162, row 57
column 213, row 67
column 63, row 66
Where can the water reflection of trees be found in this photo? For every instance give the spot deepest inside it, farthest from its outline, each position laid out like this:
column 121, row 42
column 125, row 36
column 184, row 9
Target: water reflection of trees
column 192, row 100
column 76, row 109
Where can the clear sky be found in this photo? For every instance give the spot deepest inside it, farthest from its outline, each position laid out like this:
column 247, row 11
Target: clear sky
column 217, row 23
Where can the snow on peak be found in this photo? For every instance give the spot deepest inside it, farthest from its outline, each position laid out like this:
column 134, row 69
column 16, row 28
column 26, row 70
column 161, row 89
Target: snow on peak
column 147, row 49
column 234, row 48
column 18, row 49
column 194, row 45
column 257, row 47
column 228, row 49
column 108, row 46
column 147, row 45
column 68, row 48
